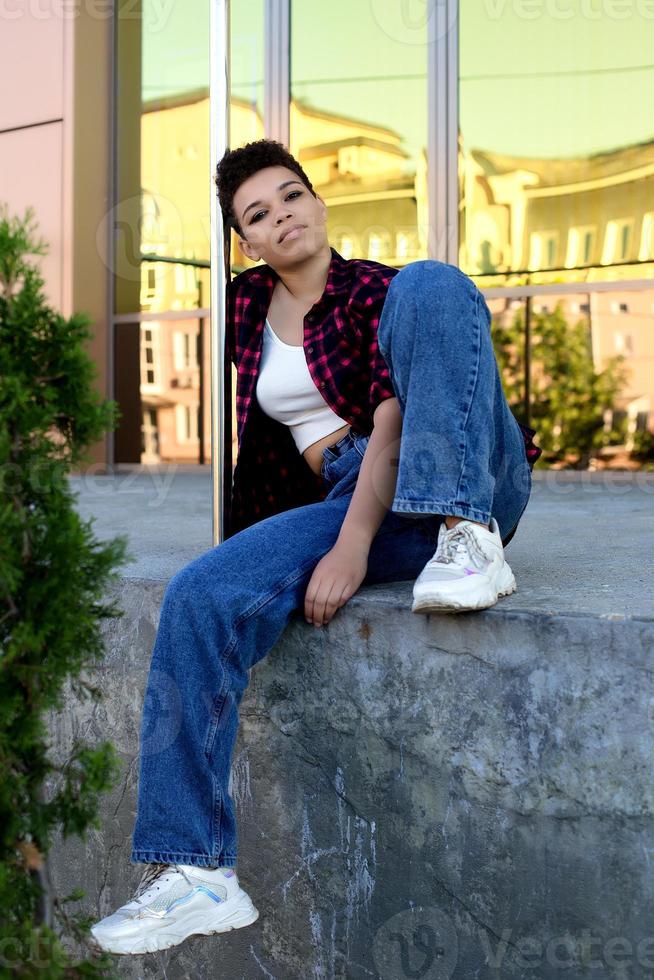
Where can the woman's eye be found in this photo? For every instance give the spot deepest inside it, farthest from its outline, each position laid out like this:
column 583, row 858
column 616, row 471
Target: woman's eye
column 255, row 217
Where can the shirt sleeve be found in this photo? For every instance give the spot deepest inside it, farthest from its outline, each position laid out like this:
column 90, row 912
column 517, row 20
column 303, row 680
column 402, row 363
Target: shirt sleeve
column 381, row 385
column 532, row 449
column 230, row 322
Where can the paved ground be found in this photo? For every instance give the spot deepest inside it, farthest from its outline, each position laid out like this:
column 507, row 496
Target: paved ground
column 584, row 544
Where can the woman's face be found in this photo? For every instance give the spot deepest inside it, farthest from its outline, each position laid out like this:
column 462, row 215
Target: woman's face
column 282, row 222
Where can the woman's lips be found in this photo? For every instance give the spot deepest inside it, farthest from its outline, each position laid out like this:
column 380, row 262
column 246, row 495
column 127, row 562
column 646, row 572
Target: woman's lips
column 294, row 233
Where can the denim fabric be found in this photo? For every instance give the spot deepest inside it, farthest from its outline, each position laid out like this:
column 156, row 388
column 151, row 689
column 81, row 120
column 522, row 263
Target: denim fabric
column 461, row 452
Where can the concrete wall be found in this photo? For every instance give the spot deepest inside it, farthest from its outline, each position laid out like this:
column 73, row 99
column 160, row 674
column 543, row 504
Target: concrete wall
column 426, row 797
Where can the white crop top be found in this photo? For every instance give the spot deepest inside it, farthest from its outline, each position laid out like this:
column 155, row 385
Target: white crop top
column 286, row 392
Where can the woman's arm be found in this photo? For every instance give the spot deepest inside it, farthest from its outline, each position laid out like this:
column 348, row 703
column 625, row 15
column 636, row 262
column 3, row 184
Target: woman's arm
column 375, row 487
column 338, row 575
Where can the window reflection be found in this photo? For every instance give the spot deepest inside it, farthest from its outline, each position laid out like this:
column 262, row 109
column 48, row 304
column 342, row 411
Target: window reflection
column 246, row 71
column 556, row 143
column 247, row 89
column 163, row 151
column 173, row 373
column 590, row 391
column 555, row 172
column 358, row 126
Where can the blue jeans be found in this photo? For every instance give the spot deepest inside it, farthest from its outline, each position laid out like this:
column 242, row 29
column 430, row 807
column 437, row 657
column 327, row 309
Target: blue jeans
column 461, row 453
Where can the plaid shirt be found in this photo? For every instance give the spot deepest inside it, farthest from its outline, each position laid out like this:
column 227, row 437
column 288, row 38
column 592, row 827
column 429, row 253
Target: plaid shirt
column 340, row 345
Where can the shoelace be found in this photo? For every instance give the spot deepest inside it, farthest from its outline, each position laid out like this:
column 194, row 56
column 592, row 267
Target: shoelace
column 149, row 877
column 461, row 536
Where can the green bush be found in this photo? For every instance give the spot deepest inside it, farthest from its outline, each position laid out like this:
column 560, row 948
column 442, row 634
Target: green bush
column 643, row 446
column 53, row 576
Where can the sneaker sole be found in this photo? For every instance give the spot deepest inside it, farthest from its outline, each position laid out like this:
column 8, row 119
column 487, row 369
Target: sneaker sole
column 428, row 604
column 244, row 915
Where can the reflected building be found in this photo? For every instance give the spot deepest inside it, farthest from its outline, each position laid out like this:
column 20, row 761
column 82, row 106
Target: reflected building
column 374, row 199
column 558, row 220
column 568, row 221
column 503, row 146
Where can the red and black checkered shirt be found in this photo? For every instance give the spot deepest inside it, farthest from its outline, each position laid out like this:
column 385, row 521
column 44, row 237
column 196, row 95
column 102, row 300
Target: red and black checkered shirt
column 340, row 345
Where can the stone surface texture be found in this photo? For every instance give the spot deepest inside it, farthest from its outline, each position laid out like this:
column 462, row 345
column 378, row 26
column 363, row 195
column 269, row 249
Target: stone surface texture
column 438, row 796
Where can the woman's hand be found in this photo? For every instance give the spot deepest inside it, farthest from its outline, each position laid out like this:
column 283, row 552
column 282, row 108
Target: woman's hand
column 335, row 579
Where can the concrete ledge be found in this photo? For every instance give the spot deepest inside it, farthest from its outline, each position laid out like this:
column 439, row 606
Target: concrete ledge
column 445, row 796
column 583, row 544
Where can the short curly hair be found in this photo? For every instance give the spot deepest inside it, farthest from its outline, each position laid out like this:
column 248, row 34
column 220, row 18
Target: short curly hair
column 237, row 165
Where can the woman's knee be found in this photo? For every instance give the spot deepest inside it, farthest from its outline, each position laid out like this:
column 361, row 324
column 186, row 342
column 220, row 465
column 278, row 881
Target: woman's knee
column 425, row 273
column 190, row 583
column 434, row 302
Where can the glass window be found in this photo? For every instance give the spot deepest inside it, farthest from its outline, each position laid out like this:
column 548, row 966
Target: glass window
column 163, row 195
column 150, row 360
column 184, row 351
column 247, row 94
column 186, row 423
column 174, row 152
column 603, row 407
column 555, row 141
column 246, row 68
column 358, row 122
column 647, row 237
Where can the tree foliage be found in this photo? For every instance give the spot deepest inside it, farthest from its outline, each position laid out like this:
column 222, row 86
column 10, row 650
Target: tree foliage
column 54, row 576
column 568, row 396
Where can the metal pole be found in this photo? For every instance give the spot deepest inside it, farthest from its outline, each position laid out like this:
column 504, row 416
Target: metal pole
column 199, row 354
column 219, row 139
column 436, row 134
column 277, row 64
column 527, row 408
column 451, row 230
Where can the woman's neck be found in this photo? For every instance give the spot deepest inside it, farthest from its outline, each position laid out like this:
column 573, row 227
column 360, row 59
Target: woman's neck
column 306, row 282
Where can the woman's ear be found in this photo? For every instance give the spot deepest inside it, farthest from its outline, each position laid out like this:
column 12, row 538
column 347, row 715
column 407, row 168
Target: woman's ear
column 248, row 250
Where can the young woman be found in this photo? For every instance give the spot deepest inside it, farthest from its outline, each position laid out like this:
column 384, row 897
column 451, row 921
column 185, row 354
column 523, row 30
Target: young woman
column 375, row 445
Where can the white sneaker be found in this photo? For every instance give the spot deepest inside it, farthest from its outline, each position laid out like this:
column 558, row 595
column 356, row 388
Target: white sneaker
column 172, row 902
column 468, row 570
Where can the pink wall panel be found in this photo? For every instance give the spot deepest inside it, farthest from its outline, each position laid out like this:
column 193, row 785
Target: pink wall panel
column 31, row 174
column 31, row 64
